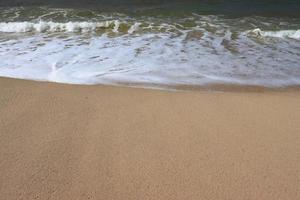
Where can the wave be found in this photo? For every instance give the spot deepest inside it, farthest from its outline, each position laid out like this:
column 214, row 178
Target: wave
column 114, row 26
column 186, row 50
column 43, row 26
column 294, row 34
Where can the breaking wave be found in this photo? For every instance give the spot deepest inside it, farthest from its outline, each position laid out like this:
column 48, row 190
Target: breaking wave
column 294, row 34
column 44, row 26
column 114, row 26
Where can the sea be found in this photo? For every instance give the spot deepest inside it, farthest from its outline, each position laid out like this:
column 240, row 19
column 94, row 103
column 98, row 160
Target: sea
column 152, row 43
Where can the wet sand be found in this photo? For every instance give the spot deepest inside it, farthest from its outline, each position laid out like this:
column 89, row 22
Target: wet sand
column 100, row 142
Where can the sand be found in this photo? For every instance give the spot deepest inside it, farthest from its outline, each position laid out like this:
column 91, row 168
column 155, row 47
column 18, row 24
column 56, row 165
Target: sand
column 100, row 142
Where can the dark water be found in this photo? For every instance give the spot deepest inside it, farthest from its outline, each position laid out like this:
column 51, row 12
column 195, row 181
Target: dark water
column 282, row 8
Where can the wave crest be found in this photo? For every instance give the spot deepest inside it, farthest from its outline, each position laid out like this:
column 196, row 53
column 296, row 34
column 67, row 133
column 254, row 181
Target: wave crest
column 43, row 26
column 294, row 34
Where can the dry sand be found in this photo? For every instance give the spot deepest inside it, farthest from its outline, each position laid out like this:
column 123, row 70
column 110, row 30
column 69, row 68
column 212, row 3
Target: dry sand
column 98, row 142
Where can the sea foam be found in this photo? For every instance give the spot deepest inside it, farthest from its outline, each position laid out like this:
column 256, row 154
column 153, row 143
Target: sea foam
column 43, row 26
column 294, row 34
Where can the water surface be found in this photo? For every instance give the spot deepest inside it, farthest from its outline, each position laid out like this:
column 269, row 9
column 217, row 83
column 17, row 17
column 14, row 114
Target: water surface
column 152, row 42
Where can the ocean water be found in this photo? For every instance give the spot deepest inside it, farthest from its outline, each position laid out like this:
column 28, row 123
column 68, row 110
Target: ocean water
column 157, row 43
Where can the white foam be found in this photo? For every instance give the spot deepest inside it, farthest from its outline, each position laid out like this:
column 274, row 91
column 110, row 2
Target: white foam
column 294, row 34
column 149, row 58
column 134, row 27
column 116, row 27
column 43, row 26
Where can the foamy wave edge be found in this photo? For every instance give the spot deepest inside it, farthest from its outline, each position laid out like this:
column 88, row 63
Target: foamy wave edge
column 294, row 34
column 42, row 26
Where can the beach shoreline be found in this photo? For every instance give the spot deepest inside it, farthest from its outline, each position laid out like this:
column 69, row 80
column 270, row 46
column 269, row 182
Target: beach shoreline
column 60, row 141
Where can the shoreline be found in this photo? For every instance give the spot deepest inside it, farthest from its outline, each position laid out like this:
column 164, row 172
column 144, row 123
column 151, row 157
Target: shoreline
column 209, row 87
column 62, row 141
column 212, row 87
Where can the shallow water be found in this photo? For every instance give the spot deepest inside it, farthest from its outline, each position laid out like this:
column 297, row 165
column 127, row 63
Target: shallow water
column 147, row 45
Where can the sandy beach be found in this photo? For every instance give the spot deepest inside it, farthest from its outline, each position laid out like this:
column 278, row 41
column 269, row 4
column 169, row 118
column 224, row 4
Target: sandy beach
column 100, row 142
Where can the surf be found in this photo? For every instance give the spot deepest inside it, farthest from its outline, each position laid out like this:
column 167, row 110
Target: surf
column 83, row 46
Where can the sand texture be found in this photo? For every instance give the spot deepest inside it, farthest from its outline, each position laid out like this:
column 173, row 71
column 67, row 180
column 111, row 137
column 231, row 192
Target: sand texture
column 70, row 142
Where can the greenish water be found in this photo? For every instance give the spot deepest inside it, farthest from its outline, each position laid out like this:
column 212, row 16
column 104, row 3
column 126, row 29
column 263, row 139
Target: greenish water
column 279, row 8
